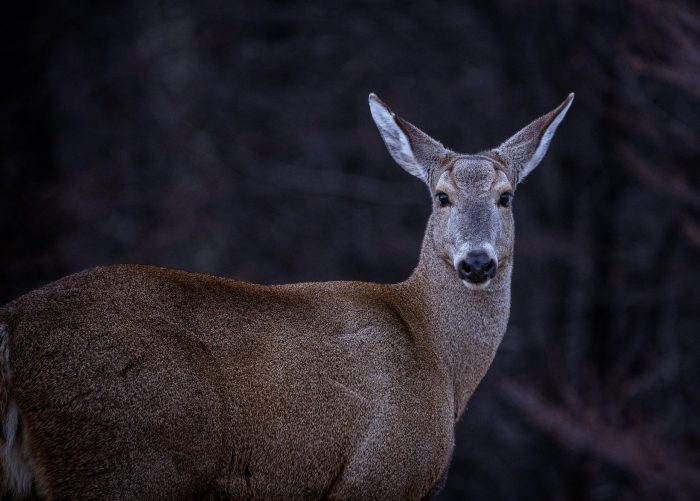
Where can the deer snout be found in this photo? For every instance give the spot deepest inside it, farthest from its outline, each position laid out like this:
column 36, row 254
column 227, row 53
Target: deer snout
column 477, row 267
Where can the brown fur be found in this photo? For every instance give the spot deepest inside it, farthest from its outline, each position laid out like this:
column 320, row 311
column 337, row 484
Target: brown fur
column 142, row 382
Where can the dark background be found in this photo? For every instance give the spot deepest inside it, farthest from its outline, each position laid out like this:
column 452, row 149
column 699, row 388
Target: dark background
column 234, row 138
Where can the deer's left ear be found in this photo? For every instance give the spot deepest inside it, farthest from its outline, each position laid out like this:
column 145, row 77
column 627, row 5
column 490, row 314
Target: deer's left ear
column 526, row 149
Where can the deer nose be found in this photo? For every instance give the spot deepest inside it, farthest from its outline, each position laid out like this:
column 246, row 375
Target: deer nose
column 478, row 267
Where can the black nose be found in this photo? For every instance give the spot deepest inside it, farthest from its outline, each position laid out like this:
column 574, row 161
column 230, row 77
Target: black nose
column 477, row 267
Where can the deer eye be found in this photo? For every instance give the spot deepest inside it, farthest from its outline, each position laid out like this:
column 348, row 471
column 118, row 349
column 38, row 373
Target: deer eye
column 443, row 199
column 504, row 199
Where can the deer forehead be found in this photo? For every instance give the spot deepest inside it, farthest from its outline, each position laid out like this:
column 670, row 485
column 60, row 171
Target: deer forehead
column 473, row 175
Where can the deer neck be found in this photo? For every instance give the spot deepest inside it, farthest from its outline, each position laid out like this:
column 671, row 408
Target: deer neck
column 461, row 327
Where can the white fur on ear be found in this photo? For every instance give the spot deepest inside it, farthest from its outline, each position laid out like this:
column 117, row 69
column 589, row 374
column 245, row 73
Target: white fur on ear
column 395, row 138
column 526, row 149
column 546, row 138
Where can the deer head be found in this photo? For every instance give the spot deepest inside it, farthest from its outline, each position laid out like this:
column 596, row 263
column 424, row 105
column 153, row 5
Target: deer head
column 471, row 225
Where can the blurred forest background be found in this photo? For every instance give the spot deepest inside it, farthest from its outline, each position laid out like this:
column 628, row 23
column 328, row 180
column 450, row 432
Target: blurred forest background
column 234, row 138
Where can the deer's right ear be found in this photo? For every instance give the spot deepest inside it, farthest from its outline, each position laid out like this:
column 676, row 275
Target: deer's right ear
column 409, row 146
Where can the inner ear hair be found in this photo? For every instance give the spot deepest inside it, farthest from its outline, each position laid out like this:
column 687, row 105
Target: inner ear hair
column 525, row 149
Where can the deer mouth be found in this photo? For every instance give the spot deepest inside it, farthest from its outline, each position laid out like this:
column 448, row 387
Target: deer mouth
column 476, row 286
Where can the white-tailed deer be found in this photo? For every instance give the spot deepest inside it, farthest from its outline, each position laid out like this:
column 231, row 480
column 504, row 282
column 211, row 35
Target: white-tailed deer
column 138, row 382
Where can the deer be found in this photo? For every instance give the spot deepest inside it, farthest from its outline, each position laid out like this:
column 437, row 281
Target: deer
column 134, row 381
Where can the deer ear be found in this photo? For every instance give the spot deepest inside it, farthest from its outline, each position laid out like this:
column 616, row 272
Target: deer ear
column 526, row 149
column 409, row 146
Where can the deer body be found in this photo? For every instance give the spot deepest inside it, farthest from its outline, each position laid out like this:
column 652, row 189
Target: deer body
column 134, row 381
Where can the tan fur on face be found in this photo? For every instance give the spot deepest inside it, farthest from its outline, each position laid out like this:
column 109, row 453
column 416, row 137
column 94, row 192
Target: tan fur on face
column 474, row 174
column 138, row 382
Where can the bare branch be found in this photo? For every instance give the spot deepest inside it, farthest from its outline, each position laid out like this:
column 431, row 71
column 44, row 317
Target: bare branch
column 633, row 450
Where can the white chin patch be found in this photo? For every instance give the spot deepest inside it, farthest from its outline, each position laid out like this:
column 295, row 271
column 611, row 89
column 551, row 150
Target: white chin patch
column 476, row 287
